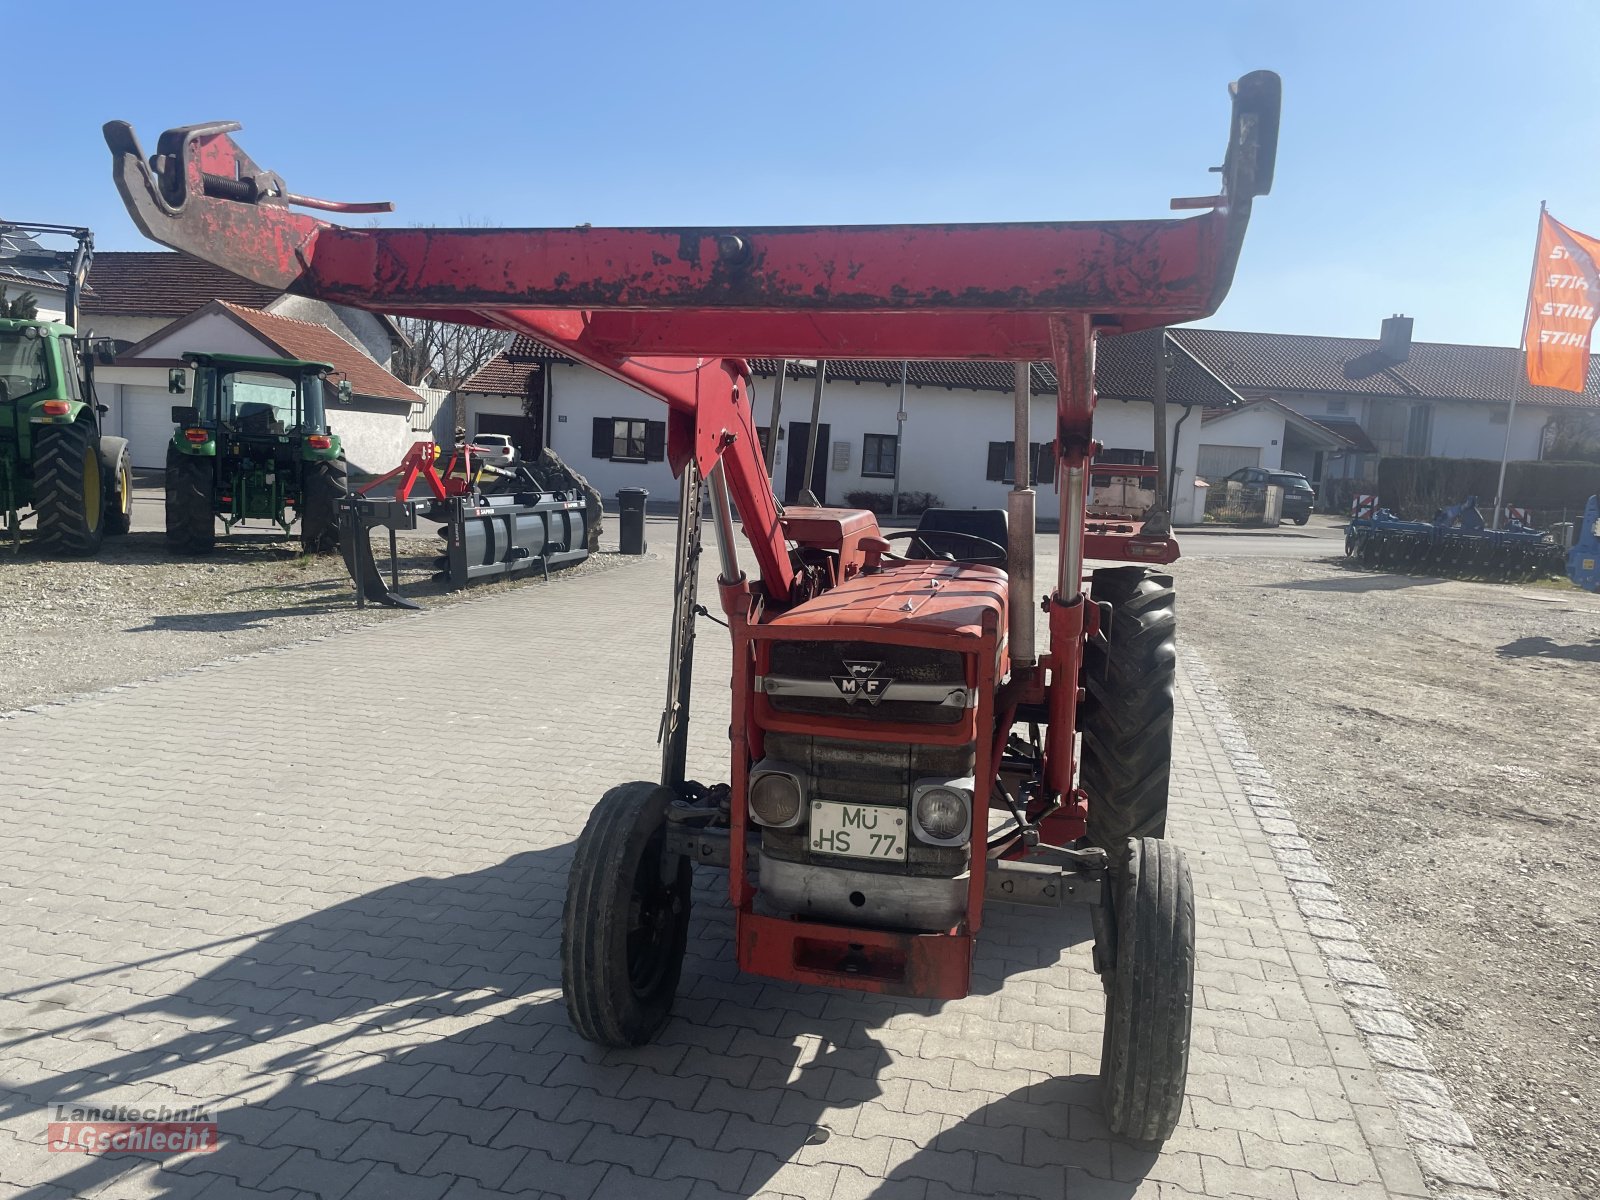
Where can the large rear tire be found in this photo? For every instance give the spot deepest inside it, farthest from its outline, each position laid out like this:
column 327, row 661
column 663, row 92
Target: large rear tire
column 191, row 517
column 67, row 492
column 1144, row 1060
column 626, row 920
column 326, row 485
column 1127, row 720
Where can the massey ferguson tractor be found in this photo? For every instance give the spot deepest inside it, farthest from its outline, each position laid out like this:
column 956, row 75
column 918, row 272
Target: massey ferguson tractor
column 903, row 751
column 254, row 444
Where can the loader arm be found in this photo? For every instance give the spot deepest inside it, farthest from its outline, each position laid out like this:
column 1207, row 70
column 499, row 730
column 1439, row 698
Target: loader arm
column 674, row 312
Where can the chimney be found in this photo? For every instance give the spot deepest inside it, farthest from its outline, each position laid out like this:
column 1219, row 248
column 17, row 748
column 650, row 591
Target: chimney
column 1394, row 342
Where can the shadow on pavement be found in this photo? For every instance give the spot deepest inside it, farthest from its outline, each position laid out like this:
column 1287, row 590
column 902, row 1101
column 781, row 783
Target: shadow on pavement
column 1354, row 582
column 1543, row 647
column 420, row 1027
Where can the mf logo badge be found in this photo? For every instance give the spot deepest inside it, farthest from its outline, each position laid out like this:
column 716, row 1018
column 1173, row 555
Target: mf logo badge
column 861, row 682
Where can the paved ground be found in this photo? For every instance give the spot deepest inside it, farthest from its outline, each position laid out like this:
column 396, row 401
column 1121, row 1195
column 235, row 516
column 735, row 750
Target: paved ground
column 320, row 889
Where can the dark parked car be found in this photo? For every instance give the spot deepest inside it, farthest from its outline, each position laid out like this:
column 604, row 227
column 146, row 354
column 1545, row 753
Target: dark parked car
column 1298, row 494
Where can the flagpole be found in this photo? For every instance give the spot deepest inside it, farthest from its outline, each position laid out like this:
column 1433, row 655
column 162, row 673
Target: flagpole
column 1522, row 345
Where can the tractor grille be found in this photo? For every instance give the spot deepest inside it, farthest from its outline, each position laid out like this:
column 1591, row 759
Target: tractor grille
column 868, row 773
column 867, row 681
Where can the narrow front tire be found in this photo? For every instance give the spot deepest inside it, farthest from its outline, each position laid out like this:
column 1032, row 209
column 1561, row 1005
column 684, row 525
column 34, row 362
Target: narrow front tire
column 1144, row 1061
column 625, row 925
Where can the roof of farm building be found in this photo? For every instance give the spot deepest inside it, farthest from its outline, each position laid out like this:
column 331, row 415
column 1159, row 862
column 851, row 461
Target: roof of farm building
column 1124, row 371
column 1211, row 365
column 318, row 343
column 161, row 283
column 1433, row 370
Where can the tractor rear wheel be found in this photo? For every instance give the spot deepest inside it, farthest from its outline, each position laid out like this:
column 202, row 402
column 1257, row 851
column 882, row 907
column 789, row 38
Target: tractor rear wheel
column 191, row 517
column 119, row 499
column 626, row 920
column 1127, row 721
column 67, row 493
column 325, row 487
column 1144, row 1059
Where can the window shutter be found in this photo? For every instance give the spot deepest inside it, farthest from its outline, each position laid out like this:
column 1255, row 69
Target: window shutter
column 602, row 438
column 655, row 440
column 1044, row 462
column 997, row 460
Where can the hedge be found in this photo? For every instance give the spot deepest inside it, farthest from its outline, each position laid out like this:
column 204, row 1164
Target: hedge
column 912, row 504
column 1416, row 488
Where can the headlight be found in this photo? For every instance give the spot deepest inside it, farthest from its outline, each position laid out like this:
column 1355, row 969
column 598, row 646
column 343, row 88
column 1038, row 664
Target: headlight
column 775, row 794
column 941, row 810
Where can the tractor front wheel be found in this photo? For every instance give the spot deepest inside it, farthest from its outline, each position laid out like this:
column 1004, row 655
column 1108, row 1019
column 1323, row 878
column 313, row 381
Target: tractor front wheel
column 626, row 920
column 191, row 516
column 1144, row 1059
column 325, row 487
column 1127, row 721
column 67, row 491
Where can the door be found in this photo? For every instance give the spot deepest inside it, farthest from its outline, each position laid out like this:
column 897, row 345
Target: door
column 526, row 433
column 1218, row 462
column 146, row 421
column 799, row 432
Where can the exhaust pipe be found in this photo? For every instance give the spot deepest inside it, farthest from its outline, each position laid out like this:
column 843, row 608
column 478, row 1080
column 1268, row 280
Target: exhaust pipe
column 1020, row 523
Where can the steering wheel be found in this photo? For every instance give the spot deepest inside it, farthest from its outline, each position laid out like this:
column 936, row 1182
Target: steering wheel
column 994, row 554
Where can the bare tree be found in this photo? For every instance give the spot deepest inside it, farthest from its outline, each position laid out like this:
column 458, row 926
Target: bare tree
column 442, row 355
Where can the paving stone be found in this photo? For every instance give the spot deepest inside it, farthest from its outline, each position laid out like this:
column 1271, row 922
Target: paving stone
column 390, row 1014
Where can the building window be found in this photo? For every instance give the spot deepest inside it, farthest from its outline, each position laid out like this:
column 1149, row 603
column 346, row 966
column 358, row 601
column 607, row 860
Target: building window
column 1419, row 428
column 877, row 456
column 1338, row 407
column 1002, row 467
column 629, row 439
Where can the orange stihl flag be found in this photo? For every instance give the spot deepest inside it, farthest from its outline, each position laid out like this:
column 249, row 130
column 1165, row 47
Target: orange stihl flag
column 1563, row 301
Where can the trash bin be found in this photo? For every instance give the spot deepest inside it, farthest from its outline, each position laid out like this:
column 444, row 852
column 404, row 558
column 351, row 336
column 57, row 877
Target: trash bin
column 630, row 518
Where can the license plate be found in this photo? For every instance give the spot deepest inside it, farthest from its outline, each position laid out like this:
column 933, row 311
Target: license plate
column 858, row 830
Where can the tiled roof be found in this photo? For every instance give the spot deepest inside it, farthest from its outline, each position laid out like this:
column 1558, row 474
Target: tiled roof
column 1350, row 430
column 507, row 373
column 318, row 343
column 1435, row 370
column 161, row 283
column 1124, row 371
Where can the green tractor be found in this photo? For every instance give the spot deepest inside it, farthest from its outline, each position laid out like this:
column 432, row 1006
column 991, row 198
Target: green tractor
column 54, row 459
column 254, row 445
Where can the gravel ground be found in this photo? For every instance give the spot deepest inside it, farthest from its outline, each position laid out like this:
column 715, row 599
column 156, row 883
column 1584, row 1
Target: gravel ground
column 1441, row 742
column 136, row 610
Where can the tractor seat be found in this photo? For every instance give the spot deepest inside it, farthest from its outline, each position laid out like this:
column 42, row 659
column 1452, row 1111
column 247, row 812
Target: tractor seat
column 257, row 419
column 986, row 523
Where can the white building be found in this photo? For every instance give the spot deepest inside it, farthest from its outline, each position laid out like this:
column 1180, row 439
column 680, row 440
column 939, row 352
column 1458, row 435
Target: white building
column 956, row 436
column 1387, row 396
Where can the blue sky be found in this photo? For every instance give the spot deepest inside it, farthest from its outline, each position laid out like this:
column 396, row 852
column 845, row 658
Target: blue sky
column 1417, row 141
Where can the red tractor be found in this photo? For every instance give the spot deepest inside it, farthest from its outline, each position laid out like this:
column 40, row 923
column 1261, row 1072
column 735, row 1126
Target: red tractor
column 902, row 751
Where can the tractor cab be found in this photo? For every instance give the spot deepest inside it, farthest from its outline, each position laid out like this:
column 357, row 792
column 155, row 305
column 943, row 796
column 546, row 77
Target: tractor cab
column 254, row 443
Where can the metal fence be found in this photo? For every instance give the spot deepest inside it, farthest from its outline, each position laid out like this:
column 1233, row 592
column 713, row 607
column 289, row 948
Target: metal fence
column 426, row 409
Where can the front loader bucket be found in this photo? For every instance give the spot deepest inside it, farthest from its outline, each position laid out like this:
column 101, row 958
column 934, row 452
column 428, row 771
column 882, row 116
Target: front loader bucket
column 510, row 534
column 355, row 547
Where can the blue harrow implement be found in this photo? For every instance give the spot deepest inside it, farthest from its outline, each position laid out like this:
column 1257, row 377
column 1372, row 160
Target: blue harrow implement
column 1456, row 542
